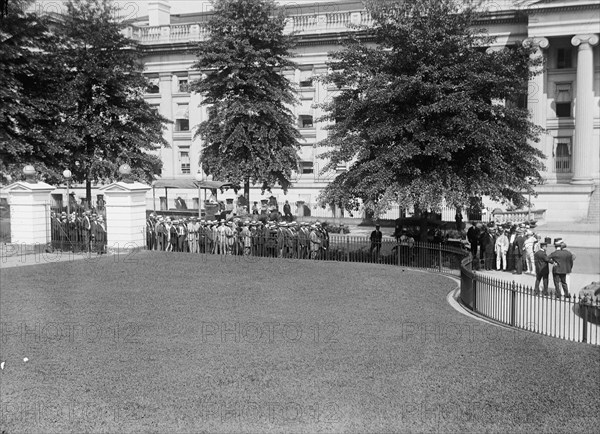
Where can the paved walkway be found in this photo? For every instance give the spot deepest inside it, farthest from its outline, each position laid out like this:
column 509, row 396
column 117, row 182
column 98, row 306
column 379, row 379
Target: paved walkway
column 12, row 258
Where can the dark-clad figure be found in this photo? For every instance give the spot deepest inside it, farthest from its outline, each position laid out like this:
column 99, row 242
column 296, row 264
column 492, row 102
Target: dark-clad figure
column 458, row 218
column 518, row 250
column 563, row 265
column 541, row 260
column 486, row 252
column 376, row 237
column 473, row 238
column 287, row 211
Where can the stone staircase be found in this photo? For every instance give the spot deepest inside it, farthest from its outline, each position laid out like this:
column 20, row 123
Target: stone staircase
column 594, row 208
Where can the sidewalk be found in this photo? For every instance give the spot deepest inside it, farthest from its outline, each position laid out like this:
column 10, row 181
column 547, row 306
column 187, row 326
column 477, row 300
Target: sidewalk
column 12, row 258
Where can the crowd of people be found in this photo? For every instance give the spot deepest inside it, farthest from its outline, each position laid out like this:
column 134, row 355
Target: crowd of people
column 237, row 237
column 78, row 232
column 518, row 249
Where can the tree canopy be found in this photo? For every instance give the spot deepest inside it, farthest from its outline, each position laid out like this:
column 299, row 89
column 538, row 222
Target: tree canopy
column 250, row 135
column 426, row 114
column 30, row 90
column 92, row 117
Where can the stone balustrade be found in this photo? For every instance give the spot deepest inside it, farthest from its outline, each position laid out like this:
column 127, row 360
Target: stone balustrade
column 299, row 24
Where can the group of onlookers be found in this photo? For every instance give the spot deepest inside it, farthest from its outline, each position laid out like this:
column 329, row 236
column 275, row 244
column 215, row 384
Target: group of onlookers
column 519, row 249
column 78, row 232
column 237, row 237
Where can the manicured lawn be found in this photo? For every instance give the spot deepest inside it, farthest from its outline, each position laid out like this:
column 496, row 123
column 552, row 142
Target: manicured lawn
column 187, row 343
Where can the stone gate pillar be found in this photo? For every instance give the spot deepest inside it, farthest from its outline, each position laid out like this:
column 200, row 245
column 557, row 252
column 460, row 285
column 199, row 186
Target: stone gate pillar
column 125, row 213
column 29, row 202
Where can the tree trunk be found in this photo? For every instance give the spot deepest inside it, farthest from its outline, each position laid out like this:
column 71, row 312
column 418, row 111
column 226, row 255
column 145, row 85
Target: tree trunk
column 247, row 194
column 88, row 193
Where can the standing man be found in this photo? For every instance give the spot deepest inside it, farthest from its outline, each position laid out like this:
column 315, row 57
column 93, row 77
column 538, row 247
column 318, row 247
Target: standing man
column 458, row 218
column 501, row 247
column 473, row 238
column 563, row 265
column 315, row 242
column 519, row 249
column 542, row 270
column 376, row 237
column 86, row 231
column 486, row 251
column 287, row 211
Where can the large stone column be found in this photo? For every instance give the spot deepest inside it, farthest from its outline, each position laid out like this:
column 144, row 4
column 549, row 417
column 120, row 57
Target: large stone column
column 29, row 210
column 166, row 109
column 125, row 213
column 583, row 148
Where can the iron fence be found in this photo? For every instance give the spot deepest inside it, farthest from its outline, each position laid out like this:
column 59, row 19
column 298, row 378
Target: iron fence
column 576, row 319
column 572, row 318
column 72, row 234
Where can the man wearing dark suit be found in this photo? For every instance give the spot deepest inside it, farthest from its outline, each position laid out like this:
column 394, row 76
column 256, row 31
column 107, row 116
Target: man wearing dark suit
column 486, row 251
column 473, row 237
column 519, row 249
column 376, row 237
column 541, row 261
column 563, row 265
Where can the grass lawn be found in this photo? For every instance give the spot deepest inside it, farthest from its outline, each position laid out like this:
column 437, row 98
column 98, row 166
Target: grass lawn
column 189, row 343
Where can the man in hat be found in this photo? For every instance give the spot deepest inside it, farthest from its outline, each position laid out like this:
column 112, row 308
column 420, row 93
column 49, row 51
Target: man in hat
column 303, row 240
column 562, row 266
column 530, row 247
column 192, row 237
column 315, row 242
column 501, row 247
column 518, row 251
column 246, row 238
column 221, row 239
column 86, row 230
column 542, row 270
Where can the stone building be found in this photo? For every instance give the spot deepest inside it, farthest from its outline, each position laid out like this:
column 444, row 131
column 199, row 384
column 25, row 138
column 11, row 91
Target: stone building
column 564, row 98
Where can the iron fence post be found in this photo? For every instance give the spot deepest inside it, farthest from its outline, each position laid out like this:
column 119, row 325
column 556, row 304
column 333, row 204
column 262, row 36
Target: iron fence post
column 347, row 249
column 513, row 304
column 584, row 314
column 440, row 257
column 474, row 285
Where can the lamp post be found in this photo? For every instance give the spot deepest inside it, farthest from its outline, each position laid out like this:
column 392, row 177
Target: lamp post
column 531, row 181
column 199, row 177
column 67, row 174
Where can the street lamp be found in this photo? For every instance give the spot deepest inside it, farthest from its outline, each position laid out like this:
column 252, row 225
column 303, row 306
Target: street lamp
column 67, row 174
column 531, row 181
column 199, row 177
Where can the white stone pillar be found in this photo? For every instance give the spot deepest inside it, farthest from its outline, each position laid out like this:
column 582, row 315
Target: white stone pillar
column 125, row 215
column 29, row 212
column 536, row 92
column 166, row 109
column 583, row 148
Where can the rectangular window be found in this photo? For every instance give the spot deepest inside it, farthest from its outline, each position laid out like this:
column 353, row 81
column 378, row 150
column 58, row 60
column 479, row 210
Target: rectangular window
column 563, row 58
column 184, row 160
column 562, row 99
column 562, row 155
column 306, row 78
column 152, row 86
column 183, row 85
column 182, row 125
column 306, row 167
column 182, row 122
column 305, row 121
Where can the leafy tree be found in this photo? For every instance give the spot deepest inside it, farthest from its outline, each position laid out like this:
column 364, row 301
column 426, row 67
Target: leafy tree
column 420, row 113
column 249, row 136
column 108, row 121
column 31, row 85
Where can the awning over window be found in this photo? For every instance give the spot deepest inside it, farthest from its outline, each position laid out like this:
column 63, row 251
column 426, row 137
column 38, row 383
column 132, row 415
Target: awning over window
column 190, row 183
